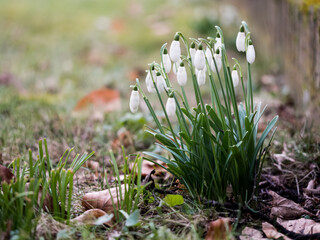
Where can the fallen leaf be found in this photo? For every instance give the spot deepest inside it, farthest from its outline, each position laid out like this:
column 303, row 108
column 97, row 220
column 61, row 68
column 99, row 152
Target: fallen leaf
column 91, row 216
column 5, row 174
column 220, row 229
column 93, row 165
column 102, row 199
column 251, row 233
column 271, row 232
column 281, row 159
column 285, row 208
column 148, row 166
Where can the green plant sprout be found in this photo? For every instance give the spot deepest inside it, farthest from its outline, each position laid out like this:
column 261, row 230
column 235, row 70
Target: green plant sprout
column 216, row 144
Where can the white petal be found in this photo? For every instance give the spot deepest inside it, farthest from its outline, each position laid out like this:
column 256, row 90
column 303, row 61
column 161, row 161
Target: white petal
column 251, row 54
column 240, row 41
column 175, row 51
column 171, row 107
column 134, row 101
column 218, row 59
column 201, row 77
column 149, row 82
column 166, row 63
column 218, row 44
column 193, row 54
column 235, row 78
column 182, row 76
column 208, row 54
column 199, row 60
column 161, row 84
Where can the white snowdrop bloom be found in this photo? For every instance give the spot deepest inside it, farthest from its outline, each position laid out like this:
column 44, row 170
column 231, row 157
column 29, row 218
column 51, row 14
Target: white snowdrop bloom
column 149, row 82
column 166, row 61
column 161, row 83
column 199, row 59
column 208, row 54
column 182, row 75
column 218, row 42
column 241, row 40
column 217, row 57
column 134, row 100
column 175, row 50
column 251, row 54
column 201, row 77
column 235, row 77
column 176, row 66
column 193, row 51
column 171, row 107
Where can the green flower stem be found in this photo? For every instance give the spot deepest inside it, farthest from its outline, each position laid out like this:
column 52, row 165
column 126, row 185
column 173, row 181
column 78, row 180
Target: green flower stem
column 249, row 86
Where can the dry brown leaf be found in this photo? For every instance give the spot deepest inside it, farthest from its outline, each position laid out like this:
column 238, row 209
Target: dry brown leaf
column 90, row 216
column 102, row 199
column 251, row 234
column 281, row 158
column 93, row 165
column 285, row 208
column 5, row 174
column 271, row 232
column 219, row 229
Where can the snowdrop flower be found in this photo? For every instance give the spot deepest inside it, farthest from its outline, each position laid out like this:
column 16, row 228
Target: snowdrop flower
column 134, row 100
column 149, row 81
column 208, row 54
column 241, row 39
column 175, row 50
column 199, row 59
column 176, row 66
column 171, row 106
column 201, row 77
column 235, row 77
column 251, row 54
column 218, row 58
column 218, row 42
column 166, row 61
column 193, row 51
column 161, row 83
column 182, row 75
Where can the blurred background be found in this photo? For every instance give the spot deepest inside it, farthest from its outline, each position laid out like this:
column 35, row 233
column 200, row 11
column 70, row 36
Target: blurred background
column 55, row 56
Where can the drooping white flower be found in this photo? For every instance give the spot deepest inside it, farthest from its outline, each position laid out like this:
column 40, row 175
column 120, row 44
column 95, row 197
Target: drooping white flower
column 176, row 66
column 235, row 77
column 149, row 82
column 199, row 59
column 218, row 59
column 134, row 100
column 251, row 54
column 218, row 43
column 193, row 51
column 171, row 107
column 182, row 75
column 208, row 54
column 241, row 40
column 201, row 77
column 175, row 50
column 166, row 61
column 161, row 83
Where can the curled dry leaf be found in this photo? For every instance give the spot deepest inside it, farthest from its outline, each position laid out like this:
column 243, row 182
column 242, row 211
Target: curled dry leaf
column 271, row 232
column 312, row 188
column 5, row 174
column 285, row 208
column 148, row 167
column 93, row 165
column 102, row 199
column 90, row 216
column 251, row 233
column 219, row 229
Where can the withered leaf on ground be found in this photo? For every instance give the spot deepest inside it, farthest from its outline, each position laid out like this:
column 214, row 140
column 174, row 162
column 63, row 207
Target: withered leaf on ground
column 285, row 208
column 271, row 232
column 249, row 233
column 5, row 174
column 219, row 229
column 90, row 216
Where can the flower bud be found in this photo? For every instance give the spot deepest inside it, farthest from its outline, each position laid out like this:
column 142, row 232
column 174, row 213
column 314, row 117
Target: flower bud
column 182, row 75
column 171, row 107
column 251, row 54
column 201, row 77
column 134, row 100
column 235, row 77
column 208, row 54
column 241, row 39
column 161, row 83
column 199, row 59
column 218, row 59
column 166, row 61
column 149, row 81
column 218, row 42
column 193, row 51
column 175, row 50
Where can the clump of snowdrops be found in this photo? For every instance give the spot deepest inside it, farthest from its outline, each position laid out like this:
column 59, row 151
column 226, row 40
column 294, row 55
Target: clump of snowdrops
column 216, row 144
